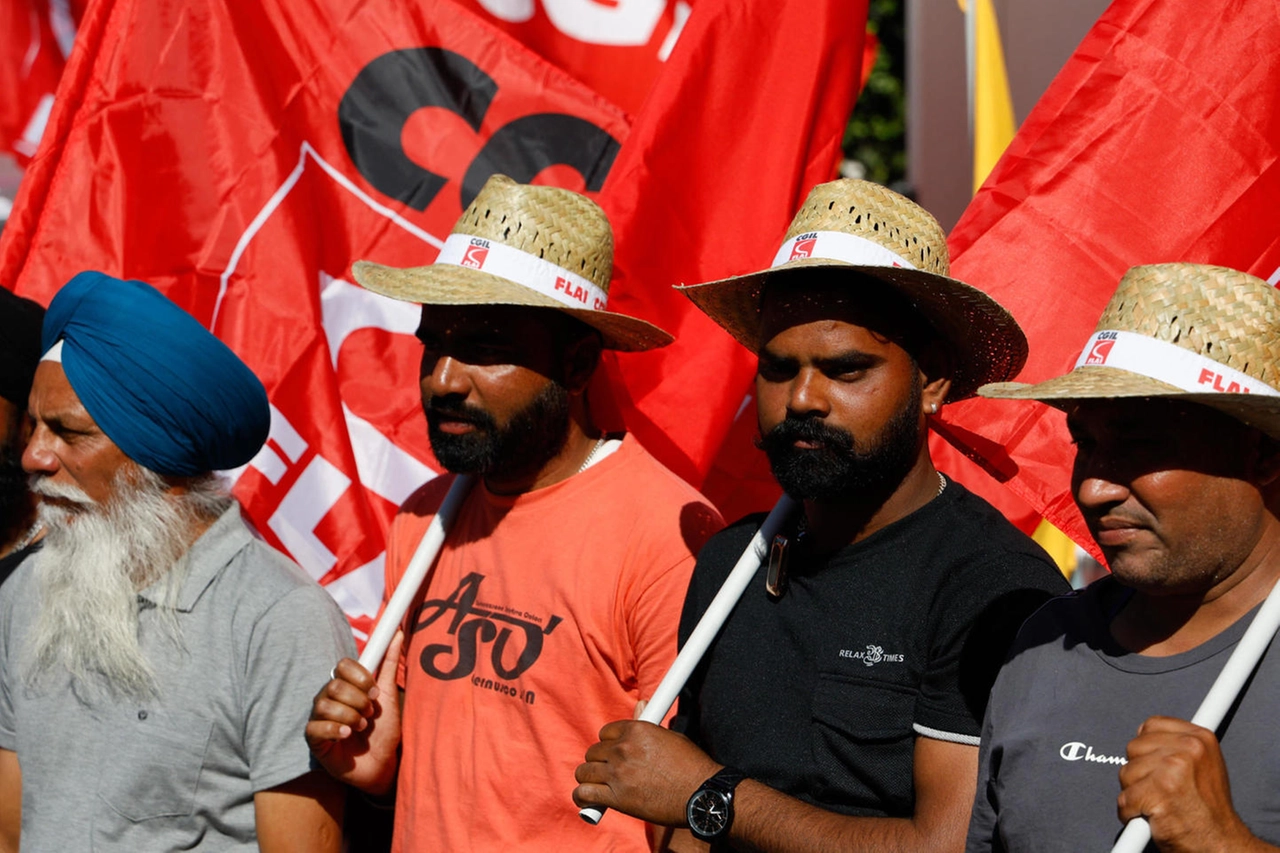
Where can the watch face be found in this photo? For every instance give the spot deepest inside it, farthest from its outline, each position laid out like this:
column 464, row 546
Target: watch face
column 709, row 813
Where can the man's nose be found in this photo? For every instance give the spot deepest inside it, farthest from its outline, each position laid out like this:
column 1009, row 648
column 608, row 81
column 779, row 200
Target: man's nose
column 808, row 395
column 38, row 457
column 448, row 376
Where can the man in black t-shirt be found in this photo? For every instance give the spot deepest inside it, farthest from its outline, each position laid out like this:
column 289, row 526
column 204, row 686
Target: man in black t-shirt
column 20, row 321
column 840, row 705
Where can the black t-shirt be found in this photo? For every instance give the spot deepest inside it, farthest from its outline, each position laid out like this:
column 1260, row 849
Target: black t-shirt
column 820, row 693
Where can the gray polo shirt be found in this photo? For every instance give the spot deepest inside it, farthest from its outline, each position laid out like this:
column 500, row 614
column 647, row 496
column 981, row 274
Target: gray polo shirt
column 178, row 772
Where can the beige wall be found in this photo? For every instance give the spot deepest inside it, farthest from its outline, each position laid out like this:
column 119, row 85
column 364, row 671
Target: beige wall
column 1038, row 35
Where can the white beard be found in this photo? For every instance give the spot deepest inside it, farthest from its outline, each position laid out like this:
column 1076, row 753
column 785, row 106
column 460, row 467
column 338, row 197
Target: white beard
column 95, row 559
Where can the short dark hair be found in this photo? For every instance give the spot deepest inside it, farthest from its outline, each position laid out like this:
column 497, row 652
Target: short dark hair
column 20, row 325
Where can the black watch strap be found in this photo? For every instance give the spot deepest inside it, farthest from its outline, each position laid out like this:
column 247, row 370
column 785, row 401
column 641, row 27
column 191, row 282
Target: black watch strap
column 726, row 780
column 710, row 809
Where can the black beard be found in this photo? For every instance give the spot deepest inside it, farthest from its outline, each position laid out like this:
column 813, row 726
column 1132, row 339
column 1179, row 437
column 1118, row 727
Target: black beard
column 533, row 437
column 842, row 469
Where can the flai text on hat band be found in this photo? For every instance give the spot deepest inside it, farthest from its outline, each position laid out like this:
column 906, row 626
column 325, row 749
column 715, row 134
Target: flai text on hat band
column 556, row 282
column 838, row 246
column 1168, row 363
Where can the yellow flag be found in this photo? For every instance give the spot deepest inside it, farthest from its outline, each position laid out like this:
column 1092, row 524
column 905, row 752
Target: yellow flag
column 993, row 124
column 993, row 129
column 1058, row 546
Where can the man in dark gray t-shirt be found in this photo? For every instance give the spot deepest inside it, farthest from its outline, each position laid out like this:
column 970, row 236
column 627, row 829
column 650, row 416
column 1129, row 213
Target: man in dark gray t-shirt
column 1174, row 408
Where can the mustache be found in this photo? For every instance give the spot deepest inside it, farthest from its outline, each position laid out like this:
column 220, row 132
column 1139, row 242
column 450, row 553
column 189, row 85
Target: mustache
column 810, row 430
column 1109, row 519
column 455, row 409
column 44, row 487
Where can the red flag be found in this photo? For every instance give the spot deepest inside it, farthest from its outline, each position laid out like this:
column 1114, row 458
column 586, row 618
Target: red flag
column 705, row 187
column 241, row 157
column 1158, row 141
column 34, row 39
column 617, row 47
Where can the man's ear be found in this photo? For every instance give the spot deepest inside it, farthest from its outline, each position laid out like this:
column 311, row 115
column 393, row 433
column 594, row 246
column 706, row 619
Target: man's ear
column 936, row 368
column 581, row 358
column 934, row 394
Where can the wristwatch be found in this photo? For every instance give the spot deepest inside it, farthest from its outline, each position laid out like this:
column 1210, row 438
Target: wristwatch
column 710, row 809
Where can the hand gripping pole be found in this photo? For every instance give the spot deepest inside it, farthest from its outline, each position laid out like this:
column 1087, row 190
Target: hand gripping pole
column 423, row 558
column 709, row 625
column 1221, row 696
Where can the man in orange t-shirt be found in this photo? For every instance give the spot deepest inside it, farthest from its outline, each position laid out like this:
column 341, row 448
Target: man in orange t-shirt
column 553, row 605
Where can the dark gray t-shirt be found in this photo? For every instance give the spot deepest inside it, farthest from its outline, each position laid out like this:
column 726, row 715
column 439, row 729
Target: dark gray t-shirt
column 1066, row 705
column 178, row 772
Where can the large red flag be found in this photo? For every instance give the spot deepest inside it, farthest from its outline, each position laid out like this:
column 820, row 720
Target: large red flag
column 1158, row 141
column 241, row 156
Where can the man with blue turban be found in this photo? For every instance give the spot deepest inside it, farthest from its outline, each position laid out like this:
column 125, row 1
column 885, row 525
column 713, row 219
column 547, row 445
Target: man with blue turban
column 157, row 661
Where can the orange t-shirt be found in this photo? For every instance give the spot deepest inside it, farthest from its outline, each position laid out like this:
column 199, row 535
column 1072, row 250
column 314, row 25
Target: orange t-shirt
column 547, row 615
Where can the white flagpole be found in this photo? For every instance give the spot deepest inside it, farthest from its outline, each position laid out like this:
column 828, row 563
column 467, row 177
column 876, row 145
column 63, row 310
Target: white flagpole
column 709, row 625
column 423, row 558
column 1221, row 696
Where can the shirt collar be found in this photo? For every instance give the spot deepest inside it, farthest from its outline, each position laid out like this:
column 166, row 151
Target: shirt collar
column 207, row 556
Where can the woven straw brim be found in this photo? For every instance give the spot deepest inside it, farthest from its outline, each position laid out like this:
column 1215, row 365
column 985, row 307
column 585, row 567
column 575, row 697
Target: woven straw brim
column 1108, row 383
column 448, row 284
column 984, row 339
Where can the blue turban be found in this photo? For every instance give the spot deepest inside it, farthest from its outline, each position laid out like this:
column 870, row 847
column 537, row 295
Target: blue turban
column 170, row 395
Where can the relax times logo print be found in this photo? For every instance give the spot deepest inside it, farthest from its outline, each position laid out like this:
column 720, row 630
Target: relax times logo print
column 514, row 639
column 873, row 655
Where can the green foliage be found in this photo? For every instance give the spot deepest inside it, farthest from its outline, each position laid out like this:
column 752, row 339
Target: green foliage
column 876, row 134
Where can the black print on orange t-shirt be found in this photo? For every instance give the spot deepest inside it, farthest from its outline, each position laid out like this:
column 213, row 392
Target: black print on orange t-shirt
column 472, row 625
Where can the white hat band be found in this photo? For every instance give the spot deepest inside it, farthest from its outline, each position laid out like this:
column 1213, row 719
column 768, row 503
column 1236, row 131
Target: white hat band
column 838, row 246
column 535, row 273
column 1168, row 363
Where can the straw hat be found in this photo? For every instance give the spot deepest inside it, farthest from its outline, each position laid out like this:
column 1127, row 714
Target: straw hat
column 1201, row 333
column 867, row 229
column 519, row 244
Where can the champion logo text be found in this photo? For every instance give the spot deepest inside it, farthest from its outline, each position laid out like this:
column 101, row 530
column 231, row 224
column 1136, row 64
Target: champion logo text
column 1077, row 751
